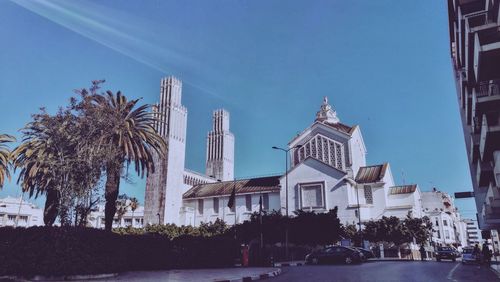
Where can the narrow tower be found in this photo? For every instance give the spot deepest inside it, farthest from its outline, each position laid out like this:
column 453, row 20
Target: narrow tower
column 163, row 197
column 220, row 148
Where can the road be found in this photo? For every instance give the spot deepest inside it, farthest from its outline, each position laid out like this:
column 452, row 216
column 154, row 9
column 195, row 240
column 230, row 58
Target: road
column 389, row 271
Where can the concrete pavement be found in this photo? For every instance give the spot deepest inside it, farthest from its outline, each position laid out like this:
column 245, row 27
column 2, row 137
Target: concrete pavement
column 389, row 271
column 212, row 274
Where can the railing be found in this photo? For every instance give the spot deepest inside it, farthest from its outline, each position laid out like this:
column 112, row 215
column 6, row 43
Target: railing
column 489, row 88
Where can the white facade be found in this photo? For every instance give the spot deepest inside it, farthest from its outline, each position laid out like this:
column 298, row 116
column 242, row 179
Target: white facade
column 17, row 212
column 329, row 170
column 130, row 218
column 220, row 148
column 212, row 208
column 448, row 227
column 473, row 232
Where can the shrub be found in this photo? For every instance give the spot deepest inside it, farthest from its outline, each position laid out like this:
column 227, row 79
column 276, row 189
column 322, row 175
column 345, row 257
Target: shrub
column 57, row 251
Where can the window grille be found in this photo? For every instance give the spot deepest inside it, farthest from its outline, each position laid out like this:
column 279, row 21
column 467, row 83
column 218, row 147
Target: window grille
column 325, row 150
column 320, row 148
column 368, row 194
column 338, row 157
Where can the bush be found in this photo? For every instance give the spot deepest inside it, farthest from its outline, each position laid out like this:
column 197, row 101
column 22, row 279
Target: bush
column 57, row 251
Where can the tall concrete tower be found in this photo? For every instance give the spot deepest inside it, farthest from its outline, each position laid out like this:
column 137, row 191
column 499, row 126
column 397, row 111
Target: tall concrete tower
column 220, row 148
column 163, row 197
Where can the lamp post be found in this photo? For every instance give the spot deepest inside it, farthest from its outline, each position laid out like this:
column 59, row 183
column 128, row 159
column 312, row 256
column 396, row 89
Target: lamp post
column 286, row 191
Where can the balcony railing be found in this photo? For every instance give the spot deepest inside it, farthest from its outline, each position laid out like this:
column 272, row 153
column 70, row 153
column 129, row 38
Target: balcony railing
column 489, row 88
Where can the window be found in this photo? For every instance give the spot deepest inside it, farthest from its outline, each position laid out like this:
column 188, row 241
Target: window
column 200, row 206
column 356, row 214
column 439, row 235
column 128, row 221
column 447, row 234
column 11, row 217
column 102, row 221
column 312, row 196
column 233, row 208
column 23, row 218
column 137, row 221
column 248, row 202
column 445, row 223
column 216, row 205
column 437, row 222
column 368, row 194
column 265, row 201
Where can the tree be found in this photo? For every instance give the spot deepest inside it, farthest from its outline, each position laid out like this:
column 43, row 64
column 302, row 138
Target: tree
column 121, row 208
column 419, row 228
column 5, row 157
column 134, row 204
column 126, row 135
column 387, row 229
column 53, row 161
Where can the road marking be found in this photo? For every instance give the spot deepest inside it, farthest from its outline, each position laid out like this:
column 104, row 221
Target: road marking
column 450, row 274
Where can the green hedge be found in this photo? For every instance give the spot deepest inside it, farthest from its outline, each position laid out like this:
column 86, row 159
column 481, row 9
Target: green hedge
column 56, row 251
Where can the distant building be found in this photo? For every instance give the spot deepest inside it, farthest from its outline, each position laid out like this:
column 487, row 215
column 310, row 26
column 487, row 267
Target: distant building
column 130, row 218
column 18, row 212
column 473, row 232
column 448, row 226
column 474, row 27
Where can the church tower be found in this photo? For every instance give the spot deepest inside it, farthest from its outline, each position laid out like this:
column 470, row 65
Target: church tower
column 163, row 197
column 220, row 148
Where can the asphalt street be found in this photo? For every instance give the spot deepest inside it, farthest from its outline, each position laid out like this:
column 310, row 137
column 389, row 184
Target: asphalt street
column 389, row 271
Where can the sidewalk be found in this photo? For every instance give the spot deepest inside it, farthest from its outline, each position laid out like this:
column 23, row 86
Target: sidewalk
column 214, row 274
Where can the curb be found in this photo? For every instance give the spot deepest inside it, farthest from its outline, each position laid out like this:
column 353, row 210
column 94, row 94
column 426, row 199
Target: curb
column 255, row 277
column 497, row 272
column 59, row 278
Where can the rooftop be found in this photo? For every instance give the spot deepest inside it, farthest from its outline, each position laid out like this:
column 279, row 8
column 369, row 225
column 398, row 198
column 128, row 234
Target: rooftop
column 371, row 174
column 243, row 186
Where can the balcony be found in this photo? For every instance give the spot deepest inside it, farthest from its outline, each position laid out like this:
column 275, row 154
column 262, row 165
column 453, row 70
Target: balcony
column 474, row 147
column 493, row 196
column 496, row 169
column 486, row 54
column 490, row 136
column 487, row 98
column 484, row 174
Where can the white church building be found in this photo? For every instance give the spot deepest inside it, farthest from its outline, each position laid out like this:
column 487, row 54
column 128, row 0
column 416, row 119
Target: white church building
column 328, row 169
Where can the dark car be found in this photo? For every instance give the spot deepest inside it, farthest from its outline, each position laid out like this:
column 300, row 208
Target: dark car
column 367, row 254
column 336, row 254
column 446, row 253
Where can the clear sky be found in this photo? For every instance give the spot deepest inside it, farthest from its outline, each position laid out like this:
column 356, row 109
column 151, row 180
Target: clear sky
column 385, row 65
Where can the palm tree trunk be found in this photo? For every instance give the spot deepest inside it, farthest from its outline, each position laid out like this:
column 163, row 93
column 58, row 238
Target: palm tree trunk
column 51, row 209
column 111, row 194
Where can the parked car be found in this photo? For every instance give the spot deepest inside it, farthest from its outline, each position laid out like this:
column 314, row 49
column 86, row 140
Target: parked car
column 366, row 253
column 335, row 254
column 468, row 256
column 446, row 253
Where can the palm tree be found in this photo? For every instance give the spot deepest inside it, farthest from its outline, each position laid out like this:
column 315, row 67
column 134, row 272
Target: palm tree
column 134, row 204
column 5, row 157
column 128, row 136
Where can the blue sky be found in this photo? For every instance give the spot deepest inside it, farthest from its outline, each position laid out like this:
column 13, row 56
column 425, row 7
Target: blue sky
column 384, row 65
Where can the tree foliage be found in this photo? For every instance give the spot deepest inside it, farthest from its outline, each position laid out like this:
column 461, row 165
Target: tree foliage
column 396, row 231
column 5, row 157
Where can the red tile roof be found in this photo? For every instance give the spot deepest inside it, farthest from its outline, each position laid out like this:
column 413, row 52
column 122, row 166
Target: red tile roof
column 371, row 174
column 340, row 127
column 253, row 185
column 403, row 189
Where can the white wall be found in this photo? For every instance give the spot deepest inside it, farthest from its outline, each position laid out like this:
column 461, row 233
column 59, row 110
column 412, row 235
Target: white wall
column 192, row 216
column 29, row 214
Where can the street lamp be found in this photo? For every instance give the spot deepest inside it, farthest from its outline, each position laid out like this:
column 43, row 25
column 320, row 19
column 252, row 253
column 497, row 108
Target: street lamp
column 286, row 172
column 286, row 191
